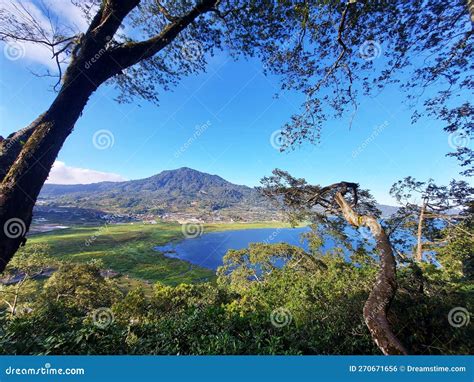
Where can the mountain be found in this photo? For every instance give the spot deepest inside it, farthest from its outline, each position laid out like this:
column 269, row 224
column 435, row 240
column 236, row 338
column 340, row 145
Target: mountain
column 386, row 210
column 180, row 191
column 174, row 194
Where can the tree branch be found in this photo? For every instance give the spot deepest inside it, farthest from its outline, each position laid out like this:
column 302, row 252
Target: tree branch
column 165, row 12
column 130, row 54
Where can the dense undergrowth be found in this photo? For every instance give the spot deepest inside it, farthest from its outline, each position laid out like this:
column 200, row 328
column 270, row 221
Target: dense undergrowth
column 311, row 305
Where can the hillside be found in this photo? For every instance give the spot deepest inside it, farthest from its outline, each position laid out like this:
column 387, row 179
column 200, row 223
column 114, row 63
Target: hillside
column 184, row 191
column 173, row 194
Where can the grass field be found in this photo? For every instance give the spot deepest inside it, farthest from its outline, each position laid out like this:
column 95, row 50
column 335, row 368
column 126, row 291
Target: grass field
column 128, row 249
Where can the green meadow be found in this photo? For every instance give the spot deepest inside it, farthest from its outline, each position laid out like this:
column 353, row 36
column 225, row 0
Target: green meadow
column 128, row 249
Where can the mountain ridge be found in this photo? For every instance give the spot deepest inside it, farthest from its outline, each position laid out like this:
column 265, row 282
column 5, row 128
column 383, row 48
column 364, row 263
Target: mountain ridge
column 180, row 191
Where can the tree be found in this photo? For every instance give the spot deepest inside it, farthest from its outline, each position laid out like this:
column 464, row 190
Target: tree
column 345, row 201
column 172, row 37
column 427, row 208
column 362, row 47
column 80, row 286
column 242, row 267
column 27, row 265
column 96, row 57
column 324, row 49
column 456, row 256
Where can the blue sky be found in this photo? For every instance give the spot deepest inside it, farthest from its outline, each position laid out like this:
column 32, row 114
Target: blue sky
column 237, row 102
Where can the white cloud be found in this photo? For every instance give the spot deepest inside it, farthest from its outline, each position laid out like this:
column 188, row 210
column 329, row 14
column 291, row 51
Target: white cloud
column 70, row 20
column 63, row 174
column 70, row 14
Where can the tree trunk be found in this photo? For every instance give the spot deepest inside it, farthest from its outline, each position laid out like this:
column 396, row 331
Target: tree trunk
column 419, row 245
column 470, row 7
column 25, row 178
column 11, row 147
column 378, row 304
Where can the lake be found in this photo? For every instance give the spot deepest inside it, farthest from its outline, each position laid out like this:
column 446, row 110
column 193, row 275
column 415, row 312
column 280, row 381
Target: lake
column 209, row 249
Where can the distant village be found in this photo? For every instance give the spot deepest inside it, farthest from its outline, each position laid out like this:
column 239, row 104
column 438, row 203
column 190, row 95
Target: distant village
column 49, row 217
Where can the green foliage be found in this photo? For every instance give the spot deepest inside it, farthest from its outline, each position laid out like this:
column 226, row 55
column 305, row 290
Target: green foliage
column 303, row 307
column 439, row 211
column 424, row 305
column 457, row 256
column 259, row 261
column 30, row 259
column 80, row 286
column 131, row 308
column 28, row 264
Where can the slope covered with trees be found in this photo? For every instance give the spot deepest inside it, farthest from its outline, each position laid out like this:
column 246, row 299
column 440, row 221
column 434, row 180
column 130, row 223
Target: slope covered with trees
column 173, row 190
column 312, row 305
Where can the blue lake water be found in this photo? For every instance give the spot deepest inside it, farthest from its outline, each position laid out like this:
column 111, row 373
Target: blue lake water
column 209, row 249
